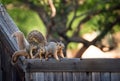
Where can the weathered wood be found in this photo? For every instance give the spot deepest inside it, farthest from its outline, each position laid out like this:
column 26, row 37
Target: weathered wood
column 76, row 76
column 83, row 76
column 41, row 76
column 88, row 76
column 105, row 76
column 58, row 76
column 8, row 46
column 0, row 63
column 115, row 76
column 74, row 65
column 49, row 76
column 67, row 76
column 96, row 76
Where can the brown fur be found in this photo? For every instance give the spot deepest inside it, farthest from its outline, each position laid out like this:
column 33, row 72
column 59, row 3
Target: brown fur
column 20, row 39
column 24, row 48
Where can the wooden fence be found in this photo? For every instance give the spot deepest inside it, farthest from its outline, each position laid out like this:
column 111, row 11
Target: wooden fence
column 52, row 70
column 73, row 70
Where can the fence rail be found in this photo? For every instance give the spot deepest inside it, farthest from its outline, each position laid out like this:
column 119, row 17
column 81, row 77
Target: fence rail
column 74, row 65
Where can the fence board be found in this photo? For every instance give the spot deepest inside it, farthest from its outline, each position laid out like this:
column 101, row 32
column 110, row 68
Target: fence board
column 89, row 76
column 83, row 77
column 74, row 65
column 38, row 76
column 67, row 76
column 96, row 76
column 58, row 76
column 76, row 76
column 105, row 76
column 49, row 76
column 115, row 76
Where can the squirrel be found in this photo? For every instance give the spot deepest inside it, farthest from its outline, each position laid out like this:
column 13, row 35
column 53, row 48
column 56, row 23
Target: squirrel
column 25, row 49
column 40, row 53
column 35, row 37
column 51, row 49
column 22, row 43
column 55, row 49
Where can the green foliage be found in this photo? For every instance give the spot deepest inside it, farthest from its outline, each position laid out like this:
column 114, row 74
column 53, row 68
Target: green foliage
column 27, row 20
column 5, row 1
column 116, row 28
column 72, row 45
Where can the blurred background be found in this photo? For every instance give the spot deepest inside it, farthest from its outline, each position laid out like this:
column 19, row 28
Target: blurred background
column 88, row 28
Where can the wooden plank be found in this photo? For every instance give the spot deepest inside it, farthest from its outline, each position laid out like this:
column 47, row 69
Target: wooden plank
column 67, row 76
column 38, row 76
column 83, row 77
column 0, row 61
column 76, row 76
column 74, row 65
column 115, row 76
column 7, row 27
column 27, row 76
column 105, row 76
column 96, row 76
column 88, row 76
column 58, row 76
column 49, row 76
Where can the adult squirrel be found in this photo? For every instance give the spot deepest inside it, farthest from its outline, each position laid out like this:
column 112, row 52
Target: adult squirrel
column 35, row 37
column 24, row 47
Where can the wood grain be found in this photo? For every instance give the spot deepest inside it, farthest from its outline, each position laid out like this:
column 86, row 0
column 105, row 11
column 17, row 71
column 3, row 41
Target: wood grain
column 74, row 65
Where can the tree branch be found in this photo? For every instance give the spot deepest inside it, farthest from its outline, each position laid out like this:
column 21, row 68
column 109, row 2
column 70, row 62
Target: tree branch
column 74, row 39
column 91, row 14
column 108, row 27
column 74, row 17
column 53, row 10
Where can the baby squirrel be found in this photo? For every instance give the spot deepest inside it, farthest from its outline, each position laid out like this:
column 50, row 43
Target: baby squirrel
column 54, row 49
